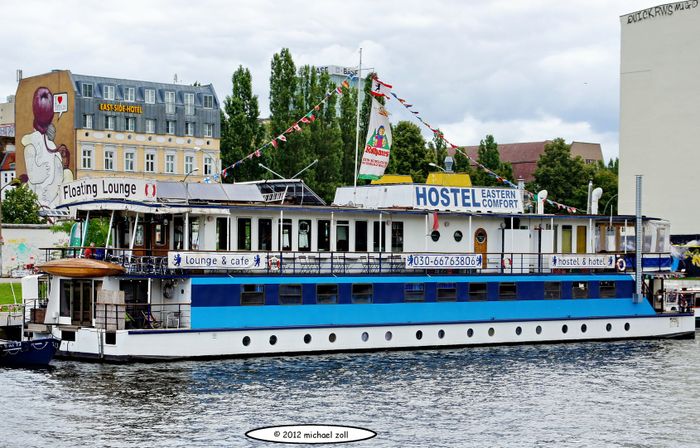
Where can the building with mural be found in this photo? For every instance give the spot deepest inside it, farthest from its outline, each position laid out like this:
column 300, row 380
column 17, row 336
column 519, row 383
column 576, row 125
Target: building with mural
column 71, row 126
column 660, row 112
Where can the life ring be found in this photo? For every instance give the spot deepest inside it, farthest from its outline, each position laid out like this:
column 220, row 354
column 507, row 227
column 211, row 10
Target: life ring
column 620, row 264
column 273, row 263
column 168, row 290
column 506, row 263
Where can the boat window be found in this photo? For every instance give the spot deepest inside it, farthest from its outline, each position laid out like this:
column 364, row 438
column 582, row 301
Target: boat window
column 324, row 235
column 139, row 235
column 377, row 237
column 286, row 235
column 579, row 290
column 362, row 293
column 290, row 295
column 326, row 294
column 566, row 234
column 244, row 233
column 458, row 236
column 264, row 234
column 581, row 239
column 414, row 292
column 435, row 235
column 446, row 292
column 304, row 235
column 342, row 236
column 252, row 294
column 552, row 290
column 477, row 291
column 159, row 234
column 77, row 298
column 360, row 236
column 194, row 234
column 507, row 291
column 221, row 233
column 397, row 236
column 607, row 290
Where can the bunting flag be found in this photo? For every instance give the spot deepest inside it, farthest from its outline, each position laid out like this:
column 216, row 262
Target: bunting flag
column 378, row 147
column 297, row 127
column 436, row 223
column 282, row 137
column 382, row 90
column 346, row 84
column 274, row 143
column 305, row 120
column 339, row 90
column 311, row 117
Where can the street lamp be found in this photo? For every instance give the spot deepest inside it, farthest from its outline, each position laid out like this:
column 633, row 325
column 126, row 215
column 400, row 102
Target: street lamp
column 14, row 182
column 188, row 174
column 434, row 165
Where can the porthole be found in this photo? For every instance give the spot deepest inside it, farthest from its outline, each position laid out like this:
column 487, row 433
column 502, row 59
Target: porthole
column 584, row 328
column 518, row 331
column 419, row 335
column 538, row 330
column 564, row 328
column 246, row 341
column 331, row 337
column 458, row 236
column 365, row 336
column 470, row 333
column 608, row 327
column 627, row 326
column 441, row 334
column 492, row 331
column 87, row 134
column 273, row 340
column 388, row 335
column 435, row 235
column 307, row 338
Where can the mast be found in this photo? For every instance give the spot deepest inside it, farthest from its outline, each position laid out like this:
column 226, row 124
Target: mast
column 357, row 127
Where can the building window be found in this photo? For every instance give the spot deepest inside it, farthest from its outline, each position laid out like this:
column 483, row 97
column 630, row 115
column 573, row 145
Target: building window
column 150, row 162
column 208, row 165
column 170, row 163
column 87, row 121
column 87, row 157
column 129, row 158
column 149, row 96
column 208, row 102
column 169, row 102
column 150, row 126
column 170, row 127
column 189, row 128
column 87, row 90
column 189, row 104
column 130, row 124
column 109, row 122
column 108, row 93
column 208, row 130
column 109, row 159
column 189, row 164
column 129, row 94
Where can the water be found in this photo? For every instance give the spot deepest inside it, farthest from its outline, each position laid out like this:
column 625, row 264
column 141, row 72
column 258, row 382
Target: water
column 636, row 394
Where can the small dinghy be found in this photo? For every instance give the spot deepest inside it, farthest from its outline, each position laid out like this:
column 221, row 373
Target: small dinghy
column 81, row 268
column 28, row 353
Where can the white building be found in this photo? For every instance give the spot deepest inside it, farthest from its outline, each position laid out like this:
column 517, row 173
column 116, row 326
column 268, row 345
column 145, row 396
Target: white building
column 660, row 113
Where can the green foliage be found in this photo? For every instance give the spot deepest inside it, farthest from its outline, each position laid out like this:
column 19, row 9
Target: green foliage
column 285, row 97
column 62, row 227
column 97, row 232
column 408, row 152
column 21, row 206
column 241, row 132
column 438, row 147
column 491, row 158
column 348, row 124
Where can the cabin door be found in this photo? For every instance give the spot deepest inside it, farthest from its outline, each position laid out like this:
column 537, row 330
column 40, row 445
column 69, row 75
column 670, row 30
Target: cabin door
column 481, row 245
column 159, row 238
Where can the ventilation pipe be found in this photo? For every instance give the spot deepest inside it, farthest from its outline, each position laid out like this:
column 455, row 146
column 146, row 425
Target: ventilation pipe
column 541, row 197
column 595, row 197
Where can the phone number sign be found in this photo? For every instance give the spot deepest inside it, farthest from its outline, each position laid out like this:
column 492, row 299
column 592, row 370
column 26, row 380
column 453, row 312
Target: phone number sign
column 442, row 261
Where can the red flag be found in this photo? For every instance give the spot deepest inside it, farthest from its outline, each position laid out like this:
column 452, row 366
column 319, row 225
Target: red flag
column 274, row 143
column 223, row 173
column 290, row 130
column 346, row 84
column 317, row 107
column 339, row 90
column 282, row 137
column 312, row 117
column 436, row 223
column 297, row 127
column 305, row 120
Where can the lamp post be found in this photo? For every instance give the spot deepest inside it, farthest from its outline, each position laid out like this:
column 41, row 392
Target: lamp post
column 188, row 174
column 13, row 183
column 435, row 165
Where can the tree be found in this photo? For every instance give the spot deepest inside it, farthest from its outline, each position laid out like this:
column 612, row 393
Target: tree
column 348, row 124
column 439, row 149
column 21, row 206
column 241, row 132
column 408, row 152
column 491, row 158
column 290, row 156
column 565, row 178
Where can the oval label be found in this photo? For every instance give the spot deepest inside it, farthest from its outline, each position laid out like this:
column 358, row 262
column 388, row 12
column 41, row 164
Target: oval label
column 311, row 434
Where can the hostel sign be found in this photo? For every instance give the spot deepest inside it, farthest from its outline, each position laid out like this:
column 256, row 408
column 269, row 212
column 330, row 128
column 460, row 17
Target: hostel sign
column 108, row 188
column 582, row 261
column 484, row 200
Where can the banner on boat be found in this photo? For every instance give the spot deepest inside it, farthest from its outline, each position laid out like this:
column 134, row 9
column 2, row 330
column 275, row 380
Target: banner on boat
column 494, row 200
column 378, row 147
column 219, row 260
column 443, row 261
column 108, row 188
column 582, row 261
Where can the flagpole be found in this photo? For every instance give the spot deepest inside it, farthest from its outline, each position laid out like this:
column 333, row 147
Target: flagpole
column 357, row 127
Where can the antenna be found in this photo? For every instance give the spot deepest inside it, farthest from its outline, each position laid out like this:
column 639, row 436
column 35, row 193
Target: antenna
column 19, row 74
column 175, row 78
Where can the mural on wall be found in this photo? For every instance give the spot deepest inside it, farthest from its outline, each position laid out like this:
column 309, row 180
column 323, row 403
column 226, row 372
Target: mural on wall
column 47, row 164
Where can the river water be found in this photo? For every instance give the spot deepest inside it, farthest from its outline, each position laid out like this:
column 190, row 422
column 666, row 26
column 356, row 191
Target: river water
column 636, row 394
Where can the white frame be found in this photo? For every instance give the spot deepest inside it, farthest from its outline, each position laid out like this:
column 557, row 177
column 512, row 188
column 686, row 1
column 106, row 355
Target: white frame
column 126, row 124
column 129, row 94
column 150, row 152
column 109, row 150
column 208, row 165
column 131, row 152
column 193, row 163
column 170, row 164
column 208, row 130
column 91, row 118
column 210, row 99
column 92, row 90
column 167, row 127
column 149, row 96
column 110, row 122
column 189, row 105
column 90, row 157
column 152, row 130
column 108, row 92
column 189, row 128
column 169, row 105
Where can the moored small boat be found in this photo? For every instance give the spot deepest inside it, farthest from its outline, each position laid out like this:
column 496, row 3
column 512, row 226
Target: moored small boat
column 28, row 353
column 81, row 268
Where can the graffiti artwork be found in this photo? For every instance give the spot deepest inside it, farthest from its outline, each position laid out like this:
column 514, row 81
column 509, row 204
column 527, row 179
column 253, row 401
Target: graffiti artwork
column 47, row 163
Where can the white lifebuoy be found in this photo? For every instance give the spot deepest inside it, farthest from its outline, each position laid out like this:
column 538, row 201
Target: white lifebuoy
column 621, row 264
column 273, row 263
column 507, row 262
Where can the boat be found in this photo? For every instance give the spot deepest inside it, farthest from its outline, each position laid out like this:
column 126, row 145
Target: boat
column 268, row 268
column 683, row 298
column 28, row 353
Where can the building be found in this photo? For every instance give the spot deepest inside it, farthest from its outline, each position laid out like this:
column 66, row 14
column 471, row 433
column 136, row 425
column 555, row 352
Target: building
column 7, row 170
column 7, row 144
column 660, row 112
column 72, row 126
column 524, row 156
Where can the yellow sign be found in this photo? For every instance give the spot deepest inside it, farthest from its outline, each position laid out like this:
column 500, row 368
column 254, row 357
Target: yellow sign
column 123, row 108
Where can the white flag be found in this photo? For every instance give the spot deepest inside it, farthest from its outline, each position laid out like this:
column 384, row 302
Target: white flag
column 378, row 146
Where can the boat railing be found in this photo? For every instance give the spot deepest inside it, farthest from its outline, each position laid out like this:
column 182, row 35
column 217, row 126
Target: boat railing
column 354, row 263
column 142, row 316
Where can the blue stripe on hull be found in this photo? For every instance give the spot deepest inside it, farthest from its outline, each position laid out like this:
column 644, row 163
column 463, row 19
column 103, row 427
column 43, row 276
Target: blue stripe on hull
column 411, row 313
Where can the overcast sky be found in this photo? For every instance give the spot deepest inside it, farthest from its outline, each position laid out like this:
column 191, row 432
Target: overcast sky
column 520, row 70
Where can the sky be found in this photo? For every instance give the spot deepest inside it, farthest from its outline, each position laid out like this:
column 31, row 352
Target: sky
column 519, row 70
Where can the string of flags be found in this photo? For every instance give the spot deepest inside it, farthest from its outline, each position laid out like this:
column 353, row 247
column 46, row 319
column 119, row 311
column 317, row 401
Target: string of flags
column 440, row 135
column 308, row 118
